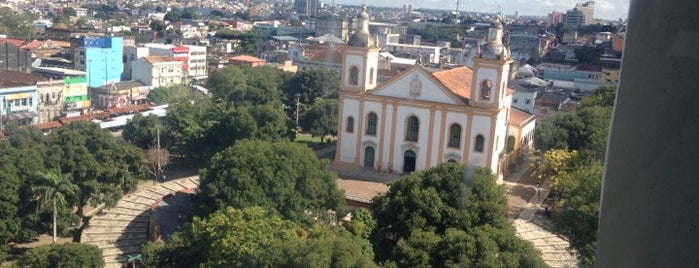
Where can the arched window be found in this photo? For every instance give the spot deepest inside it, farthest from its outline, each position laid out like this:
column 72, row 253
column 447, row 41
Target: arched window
column 479, row 143
column 413, row 129
column 350, row 124
column 455, row 136
column 371, row 76
column 371, row 124
column 354, row 75
column 510, row 143
column 369, row 157
column 486, row 88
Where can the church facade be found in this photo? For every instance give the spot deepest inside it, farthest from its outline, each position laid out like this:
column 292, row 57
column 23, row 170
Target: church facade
column 420, row 119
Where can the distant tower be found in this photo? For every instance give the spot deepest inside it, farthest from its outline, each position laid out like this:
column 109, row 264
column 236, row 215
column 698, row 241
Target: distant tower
column 457, row 6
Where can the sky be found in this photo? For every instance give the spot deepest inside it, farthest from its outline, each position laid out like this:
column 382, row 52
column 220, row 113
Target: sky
column 604, row 9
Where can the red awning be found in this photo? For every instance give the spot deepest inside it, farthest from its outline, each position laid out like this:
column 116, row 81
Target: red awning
column 129, row 109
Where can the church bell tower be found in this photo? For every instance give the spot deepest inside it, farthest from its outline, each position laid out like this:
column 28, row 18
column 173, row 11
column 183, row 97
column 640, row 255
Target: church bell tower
column 360, row 59
column 491, row 66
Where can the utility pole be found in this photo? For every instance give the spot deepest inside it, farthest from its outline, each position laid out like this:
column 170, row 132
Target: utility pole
column 298, row 103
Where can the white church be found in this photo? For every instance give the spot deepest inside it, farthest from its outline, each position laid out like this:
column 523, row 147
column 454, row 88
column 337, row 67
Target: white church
column 419, row 118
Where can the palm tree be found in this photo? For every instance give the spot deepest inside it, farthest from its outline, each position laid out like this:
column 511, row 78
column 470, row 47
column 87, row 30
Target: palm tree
column 55, row 188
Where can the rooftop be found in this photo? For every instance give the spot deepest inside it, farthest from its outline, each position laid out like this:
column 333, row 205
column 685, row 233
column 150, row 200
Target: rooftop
column 458, row 80
column 519, row 117
column 158, row 58
column 245, row 58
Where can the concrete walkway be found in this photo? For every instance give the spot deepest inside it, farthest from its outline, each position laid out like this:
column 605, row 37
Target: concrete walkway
column 123, row 229
column 533, row 227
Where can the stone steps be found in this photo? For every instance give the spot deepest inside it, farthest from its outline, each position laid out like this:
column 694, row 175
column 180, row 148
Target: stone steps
column 122, row 230
column 139, row 202
column 117, row 243
column 173, row 188
column 123, row 211
column 160, row 191
column 119, row 229
column 152, row 197
column 90, row 237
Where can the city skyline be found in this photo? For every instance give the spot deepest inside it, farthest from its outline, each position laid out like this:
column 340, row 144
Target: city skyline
column 604, row 9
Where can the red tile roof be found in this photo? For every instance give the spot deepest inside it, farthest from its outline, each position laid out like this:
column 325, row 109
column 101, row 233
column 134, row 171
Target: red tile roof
column 458, row 80
column 33, row 44
column 365, row 190
column 245, row 58
column 129, row 109
column 49, row 125
column 519, row 117
column 16, row 42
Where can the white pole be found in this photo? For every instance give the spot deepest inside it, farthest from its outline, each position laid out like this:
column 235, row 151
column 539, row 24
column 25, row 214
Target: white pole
column 158, row 155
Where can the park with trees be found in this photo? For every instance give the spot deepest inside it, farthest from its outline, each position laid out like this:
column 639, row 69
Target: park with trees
column 48, row 180
column 571, row 150
column 267, row 201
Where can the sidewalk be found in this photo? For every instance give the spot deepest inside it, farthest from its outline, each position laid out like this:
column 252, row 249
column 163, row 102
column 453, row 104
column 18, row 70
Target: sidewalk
column 524, row 204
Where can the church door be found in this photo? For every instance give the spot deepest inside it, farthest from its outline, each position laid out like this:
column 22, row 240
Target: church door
column 409, row 161
column 369, row 157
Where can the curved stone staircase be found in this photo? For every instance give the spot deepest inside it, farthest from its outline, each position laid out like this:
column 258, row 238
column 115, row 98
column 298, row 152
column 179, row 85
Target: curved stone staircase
column 123, row 229
column 554, row 249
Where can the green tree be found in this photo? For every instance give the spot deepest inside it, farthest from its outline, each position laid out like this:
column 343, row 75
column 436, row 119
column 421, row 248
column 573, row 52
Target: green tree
column 190, row 14
column 336, row 248
column 157, row 26
column 17, row 25
column 23, row 154
column 228, row 238
column 170, row 94
column 577, row 175
column 153, row 252
column 580, row 216
column 142, row 131
column 362, row 224
column 281, row 176
column 590, row 55
column 603, row 97
column 173, row 16
column 321, row 119
column 247, row 85
column 554, row 165
column 10, row 222
column 69, row 11
column 311, row 85
column 414, row 218
column 102, row 167
column 55, row 189
column 62, row 255
column 586, row 128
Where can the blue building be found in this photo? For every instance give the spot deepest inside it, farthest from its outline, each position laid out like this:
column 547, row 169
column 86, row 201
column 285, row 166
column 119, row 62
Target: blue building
column 18, row 103
column 102, row 59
